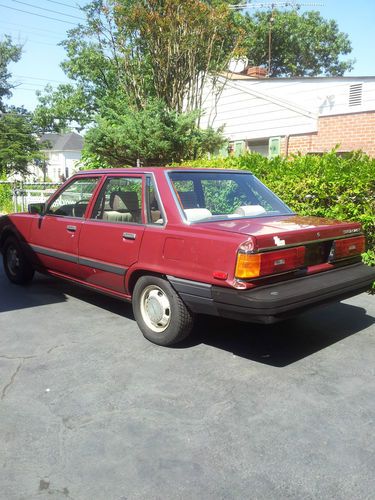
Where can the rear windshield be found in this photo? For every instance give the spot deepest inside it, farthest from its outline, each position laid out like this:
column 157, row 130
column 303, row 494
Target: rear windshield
column 210, row 196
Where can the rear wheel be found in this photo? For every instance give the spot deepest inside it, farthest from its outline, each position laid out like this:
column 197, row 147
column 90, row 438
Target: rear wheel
column 160, row 313
column 16, row 266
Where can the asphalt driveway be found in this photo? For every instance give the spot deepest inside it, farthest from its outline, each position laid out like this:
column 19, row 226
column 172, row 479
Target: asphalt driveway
column 91, row 410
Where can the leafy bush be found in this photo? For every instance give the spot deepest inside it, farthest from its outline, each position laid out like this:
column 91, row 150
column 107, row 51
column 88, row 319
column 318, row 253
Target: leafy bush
column 341, row 188
column 154, row 135
column 326, row 186
column 6, row 204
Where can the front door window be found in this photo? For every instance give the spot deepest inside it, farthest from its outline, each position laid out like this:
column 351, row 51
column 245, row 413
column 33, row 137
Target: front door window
column 73, row 200
column 55, row 236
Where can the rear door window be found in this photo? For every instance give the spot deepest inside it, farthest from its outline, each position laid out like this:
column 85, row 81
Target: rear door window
column 120, row 201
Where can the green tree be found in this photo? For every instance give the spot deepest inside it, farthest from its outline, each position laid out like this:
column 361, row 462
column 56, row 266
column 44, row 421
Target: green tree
column 302, row 44
column 155, row 135
column 9, row 52
column 18, row 143
column 132, row 58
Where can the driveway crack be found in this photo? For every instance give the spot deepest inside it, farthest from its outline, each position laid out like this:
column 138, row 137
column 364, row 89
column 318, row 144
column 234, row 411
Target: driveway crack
column 5, row 356
column 12, row 379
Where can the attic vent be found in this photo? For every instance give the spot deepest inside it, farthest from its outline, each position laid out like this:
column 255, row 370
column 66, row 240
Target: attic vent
column 355, row 94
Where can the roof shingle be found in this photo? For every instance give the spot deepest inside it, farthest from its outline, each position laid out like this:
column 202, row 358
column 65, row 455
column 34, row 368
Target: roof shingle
column 63, row 142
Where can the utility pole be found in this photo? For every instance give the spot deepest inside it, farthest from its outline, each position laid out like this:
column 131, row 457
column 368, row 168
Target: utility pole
column 272, row 19
column 293, row 4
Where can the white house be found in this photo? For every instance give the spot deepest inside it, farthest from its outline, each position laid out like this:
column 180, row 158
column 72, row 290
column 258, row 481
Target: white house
column 63, row 152
column 310, row 115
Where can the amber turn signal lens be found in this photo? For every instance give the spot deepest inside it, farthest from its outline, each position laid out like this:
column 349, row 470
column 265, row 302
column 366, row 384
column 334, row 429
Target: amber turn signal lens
column 265, row 264
column 248, row 265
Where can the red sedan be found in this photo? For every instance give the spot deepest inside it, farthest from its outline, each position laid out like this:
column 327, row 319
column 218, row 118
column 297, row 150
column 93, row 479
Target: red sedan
column 180, row 242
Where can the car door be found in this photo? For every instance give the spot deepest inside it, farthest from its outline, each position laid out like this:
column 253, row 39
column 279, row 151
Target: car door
column 111, row 237
column 54, row 236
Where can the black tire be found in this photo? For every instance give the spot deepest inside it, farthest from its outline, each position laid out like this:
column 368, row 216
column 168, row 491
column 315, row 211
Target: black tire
column 17, row 268
column 160, row 313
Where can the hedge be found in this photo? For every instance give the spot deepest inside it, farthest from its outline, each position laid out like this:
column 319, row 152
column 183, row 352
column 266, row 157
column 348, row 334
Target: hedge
column 6, row 203
column 329, row 185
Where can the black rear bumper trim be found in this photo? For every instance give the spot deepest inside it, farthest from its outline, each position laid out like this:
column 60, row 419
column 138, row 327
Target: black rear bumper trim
column 267, row 304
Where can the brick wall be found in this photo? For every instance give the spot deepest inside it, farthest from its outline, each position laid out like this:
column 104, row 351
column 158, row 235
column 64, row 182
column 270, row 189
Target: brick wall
column 352, row 132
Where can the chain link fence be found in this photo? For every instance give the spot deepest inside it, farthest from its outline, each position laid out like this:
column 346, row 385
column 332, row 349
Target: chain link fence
column 15, row 196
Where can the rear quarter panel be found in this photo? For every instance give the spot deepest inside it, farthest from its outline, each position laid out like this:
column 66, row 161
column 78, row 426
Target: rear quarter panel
column 188, row 252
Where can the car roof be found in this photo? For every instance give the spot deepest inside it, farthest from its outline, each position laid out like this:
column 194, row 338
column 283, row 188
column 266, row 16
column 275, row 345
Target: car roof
column 143, row 170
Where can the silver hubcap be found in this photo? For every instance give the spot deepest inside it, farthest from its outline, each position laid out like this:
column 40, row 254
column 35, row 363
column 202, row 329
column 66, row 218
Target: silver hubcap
column 13, row 260
column 155, row 308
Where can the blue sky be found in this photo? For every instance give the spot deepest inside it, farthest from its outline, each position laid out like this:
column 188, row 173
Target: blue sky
column 41, row 57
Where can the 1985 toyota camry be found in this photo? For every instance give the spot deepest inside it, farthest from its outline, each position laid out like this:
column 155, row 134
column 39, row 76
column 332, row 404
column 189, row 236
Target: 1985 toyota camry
column 177, row 242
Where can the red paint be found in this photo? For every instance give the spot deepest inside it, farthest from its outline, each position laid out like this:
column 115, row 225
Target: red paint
column 204, row 252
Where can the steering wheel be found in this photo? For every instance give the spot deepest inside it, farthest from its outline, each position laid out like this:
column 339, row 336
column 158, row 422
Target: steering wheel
column 80, row 206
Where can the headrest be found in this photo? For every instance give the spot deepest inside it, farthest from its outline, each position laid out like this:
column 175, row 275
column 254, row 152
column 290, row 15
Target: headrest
column 131, row 200
column 194, row 214
column 250, row 210
column 124, row 200
column 116, row 200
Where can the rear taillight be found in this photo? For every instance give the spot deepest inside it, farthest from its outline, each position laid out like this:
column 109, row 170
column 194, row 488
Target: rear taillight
column 348, row 247
column 255, row 265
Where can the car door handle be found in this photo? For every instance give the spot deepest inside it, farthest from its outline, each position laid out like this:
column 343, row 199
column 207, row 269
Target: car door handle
column 72, row 229
column 129, row 236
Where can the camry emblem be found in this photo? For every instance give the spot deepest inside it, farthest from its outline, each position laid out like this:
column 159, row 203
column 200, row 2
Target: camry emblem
column 318, row 235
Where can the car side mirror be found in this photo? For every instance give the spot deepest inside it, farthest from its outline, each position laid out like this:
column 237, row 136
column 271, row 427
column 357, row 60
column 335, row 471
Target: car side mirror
column 36, row 208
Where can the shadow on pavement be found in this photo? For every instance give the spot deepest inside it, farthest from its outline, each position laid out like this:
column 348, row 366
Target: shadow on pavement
column 277, row 345
column 283, row 343
column 39, row 292
column 44, row 290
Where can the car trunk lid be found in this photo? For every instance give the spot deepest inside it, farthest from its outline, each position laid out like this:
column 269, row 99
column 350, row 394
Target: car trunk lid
column 272, row 233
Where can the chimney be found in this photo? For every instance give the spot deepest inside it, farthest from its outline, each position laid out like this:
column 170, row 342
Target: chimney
column 256, row 72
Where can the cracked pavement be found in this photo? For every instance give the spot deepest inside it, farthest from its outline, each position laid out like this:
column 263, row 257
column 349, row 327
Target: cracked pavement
column 91, row 410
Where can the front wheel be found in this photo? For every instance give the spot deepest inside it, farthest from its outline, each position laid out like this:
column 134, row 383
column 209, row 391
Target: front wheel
column 16, row 266
column 160, row 313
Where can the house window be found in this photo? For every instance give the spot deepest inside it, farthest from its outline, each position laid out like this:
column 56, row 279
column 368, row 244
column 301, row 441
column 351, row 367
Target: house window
column 239, row 148
column 258, row 146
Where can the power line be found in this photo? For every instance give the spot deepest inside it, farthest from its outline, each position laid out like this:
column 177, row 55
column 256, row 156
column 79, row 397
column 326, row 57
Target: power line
column 17, row 34
column 18, row 85
column 273, row 4
column 48, row 10
column 22, row 36
column 37, row 78
column 23, row 88
column 65, row 4
column 31, row 28
column 29, row 40
column 38, row 15
column 42, row 43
